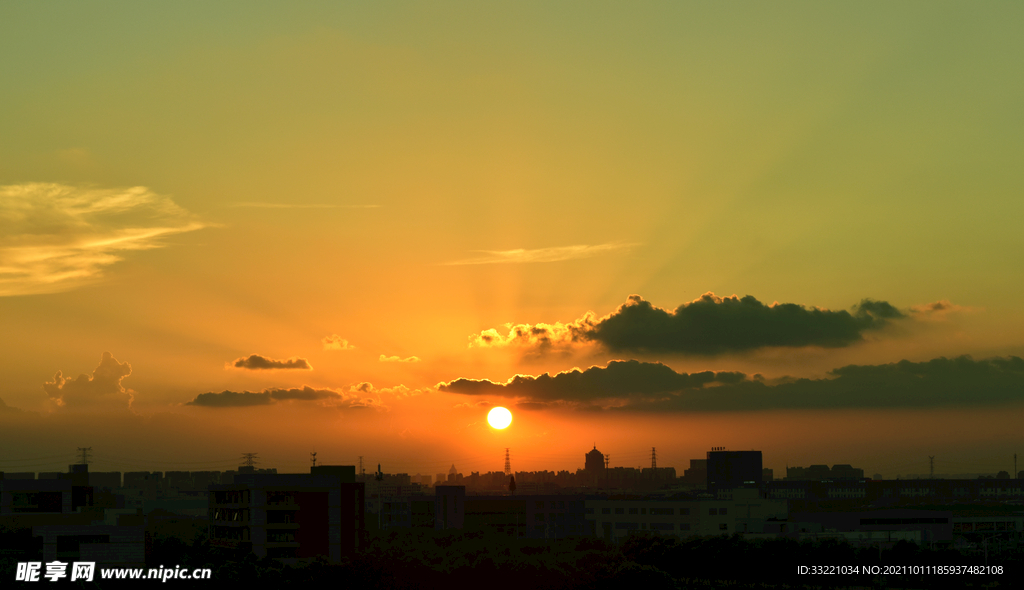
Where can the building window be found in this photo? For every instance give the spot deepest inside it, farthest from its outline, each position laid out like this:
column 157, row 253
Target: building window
column 619, row 511
column 627, row 526
column 663, row 511
column 713, row 511
column 632, row 510
column 721, row 511
column 643, row 511
column 723, row 527
column 662, row 526
column 606, row 511
column 539, row 505
column 685, row 526
column 684, row 512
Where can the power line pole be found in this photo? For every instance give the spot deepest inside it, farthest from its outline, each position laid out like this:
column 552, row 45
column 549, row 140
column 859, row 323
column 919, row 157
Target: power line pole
column 508, row 463
column 607, row 460
column 313, row 458
column 361, row 470
column 84, row 460
column 250, row 459
column 654, row 459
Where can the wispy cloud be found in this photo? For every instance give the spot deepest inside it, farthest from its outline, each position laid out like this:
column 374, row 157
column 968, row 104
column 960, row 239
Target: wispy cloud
column 301, row 206
column 55, row 237
column 397, row 359
column 540, row 254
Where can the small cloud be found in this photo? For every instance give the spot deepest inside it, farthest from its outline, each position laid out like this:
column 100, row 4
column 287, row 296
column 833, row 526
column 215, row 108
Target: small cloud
column 939, row 310
column 335, row 342
column 101, row 389
column 257, row 362
column 395, row 359
column 556, row 254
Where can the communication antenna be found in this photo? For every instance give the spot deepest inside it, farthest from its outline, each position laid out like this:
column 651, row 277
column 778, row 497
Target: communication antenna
column 84, row 460
column 250, row 459
column 508, row 463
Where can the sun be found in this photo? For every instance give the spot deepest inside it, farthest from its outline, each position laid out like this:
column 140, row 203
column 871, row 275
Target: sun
column 499, row 418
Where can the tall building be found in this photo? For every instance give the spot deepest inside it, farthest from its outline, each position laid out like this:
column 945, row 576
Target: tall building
column 290, row 516
column 733, row 469
column 594, row 462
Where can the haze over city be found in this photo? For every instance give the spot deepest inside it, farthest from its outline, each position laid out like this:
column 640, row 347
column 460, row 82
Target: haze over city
column 355, row 229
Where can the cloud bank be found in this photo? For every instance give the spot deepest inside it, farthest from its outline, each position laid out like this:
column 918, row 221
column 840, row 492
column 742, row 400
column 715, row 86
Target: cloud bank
column 707, row 326
column 55, row 237
column 634, row 385
column 256, row 362
column 325, row 397
column 100, row 390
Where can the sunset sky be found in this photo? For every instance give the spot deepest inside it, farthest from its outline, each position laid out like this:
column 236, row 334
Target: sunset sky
column 352, row 228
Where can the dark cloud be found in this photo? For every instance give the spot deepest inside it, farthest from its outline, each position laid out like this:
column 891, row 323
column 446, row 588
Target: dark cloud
column 329, row 397
column 710, row 325
column 620, row 379
column 632, row 385
column 716, row 325
column 230, row 399
column 257, row 362
column 101, row 389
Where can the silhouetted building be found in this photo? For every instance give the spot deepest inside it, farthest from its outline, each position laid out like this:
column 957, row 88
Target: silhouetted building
column 733, row 469
column 822, row 473
column 697, row 474
column 290, row 516
column 741, row 510
column 450, row 507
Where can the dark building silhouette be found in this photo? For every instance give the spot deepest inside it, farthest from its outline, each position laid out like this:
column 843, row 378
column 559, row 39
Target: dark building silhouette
column 593, row 464
column 450, row 507
column 733, row 469
column 697, row 474
column 290, row 516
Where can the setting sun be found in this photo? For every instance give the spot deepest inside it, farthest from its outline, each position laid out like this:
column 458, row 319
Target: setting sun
column 499, row 418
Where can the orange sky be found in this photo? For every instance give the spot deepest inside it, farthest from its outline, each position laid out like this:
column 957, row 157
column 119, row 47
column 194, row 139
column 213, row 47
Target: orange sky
column 183, row 189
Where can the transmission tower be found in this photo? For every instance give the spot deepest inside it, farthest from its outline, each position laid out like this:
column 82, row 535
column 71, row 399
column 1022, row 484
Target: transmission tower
column 312, row 457
column 361, row 470
column 607, row 460
column 250, row 459
column 508, row 463
column 654, row 459
column 931, row 466
column 84, row 460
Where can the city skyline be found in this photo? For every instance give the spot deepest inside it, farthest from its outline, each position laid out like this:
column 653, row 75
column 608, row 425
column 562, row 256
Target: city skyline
column 356, row 229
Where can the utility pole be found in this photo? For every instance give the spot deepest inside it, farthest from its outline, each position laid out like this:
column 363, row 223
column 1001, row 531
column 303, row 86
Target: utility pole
column 654, row 459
